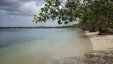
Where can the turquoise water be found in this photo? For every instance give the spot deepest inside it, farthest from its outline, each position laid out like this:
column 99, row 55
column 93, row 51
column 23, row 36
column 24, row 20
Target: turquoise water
column 40, row 46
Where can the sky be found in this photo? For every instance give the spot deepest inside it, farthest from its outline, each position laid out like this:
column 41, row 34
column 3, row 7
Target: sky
column 19, row 13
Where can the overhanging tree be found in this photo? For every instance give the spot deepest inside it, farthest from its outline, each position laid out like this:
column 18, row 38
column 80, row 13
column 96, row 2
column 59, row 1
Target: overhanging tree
column 64, row 12
column 92, row 14
column 97, row 14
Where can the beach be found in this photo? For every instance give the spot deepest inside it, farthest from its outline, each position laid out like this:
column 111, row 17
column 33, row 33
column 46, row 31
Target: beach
column 100, row 42
column 42, row 46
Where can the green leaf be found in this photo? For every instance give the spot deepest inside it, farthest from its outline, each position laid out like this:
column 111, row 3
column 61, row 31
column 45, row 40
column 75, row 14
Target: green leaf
column 59, row 22
column 66, row 22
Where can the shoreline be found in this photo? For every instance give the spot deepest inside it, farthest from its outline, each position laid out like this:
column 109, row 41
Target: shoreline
column 100, row 42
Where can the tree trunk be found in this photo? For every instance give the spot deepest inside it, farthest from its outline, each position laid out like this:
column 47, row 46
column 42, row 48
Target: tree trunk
column 92, row 29
column 103, row 31
column 83, row 29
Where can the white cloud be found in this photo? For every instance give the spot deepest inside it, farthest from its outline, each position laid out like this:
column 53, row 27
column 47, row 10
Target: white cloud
column 29, row 7
column 20, row 13
column 19, row 7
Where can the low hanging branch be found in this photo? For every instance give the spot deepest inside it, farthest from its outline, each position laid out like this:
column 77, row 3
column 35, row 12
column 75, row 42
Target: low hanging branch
column 64, row 12
column 92, row 14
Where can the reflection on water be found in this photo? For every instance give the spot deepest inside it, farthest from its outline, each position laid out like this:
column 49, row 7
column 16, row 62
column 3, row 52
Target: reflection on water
column 41, row 46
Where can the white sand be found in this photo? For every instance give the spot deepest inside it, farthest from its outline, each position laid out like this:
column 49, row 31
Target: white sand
column 99, row 42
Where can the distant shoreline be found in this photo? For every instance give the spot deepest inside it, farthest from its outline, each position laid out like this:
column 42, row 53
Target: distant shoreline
column 35, row 27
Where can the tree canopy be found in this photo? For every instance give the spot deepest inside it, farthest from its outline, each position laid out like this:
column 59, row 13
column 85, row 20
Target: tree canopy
column 92, row 14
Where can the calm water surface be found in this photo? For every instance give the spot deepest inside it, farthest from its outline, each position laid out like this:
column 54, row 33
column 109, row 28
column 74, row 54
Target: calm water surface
column 40, row 46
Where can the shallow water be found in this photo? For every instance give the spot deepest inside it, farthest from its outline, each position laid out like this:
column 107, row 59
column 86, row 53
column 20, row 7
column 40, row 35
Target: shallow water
column 40, row 46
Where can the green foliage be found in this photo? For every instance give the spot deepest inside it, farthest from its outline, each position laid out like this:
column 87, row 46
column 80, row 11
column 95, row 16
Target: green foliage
column 58, row 10
column 96, row 14
column 91, row 13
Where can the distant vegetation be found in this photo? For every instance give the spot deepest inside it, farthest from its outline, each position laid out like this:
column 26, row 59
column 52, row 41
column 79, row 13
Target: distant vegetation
column 93, row 15
column 35, row 27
